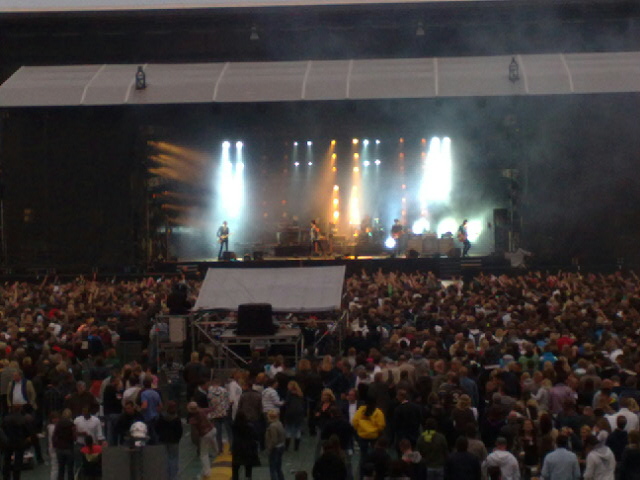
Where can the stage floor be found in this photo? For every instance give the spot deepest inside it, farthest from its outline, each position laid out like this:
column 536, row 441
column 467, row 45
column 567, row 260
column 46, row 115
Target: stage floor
column 443, row 267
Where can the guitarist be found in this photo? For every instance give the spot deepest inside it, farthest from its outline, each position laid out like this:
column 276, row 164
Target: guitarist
column 223, row 238
column 314, row 234
column 397, row 232
column 463, row 238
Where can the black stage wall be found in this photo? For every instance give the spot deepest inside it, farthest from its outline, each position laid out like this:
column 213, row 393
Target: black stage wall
column 70, row 189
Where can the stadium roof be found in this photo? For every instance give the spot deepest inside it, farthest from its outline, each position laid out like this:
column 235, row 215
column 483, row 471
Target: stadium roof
column 547, row 74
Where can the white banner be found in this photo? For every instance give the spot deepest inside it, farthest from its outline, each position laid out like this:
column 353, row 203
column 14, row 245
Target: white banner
column 310, row 289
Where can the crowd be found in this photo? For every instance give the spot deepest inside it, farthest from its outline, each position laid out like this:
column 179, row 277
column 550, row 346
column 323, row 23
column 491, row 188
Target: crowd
column 501, row 377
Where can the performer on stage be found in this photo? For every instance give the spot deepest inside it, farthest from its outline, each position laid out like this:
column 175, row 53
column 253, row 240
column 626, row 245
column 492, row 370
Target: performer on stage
column 463, row 238
column 397, row 230
column 397, row 233
column 223, row 238
column 314, row 234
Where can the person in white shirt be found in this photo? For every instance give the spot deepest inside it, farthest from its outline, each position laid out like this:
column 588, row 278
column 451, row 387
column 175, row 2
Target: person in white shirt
column 131, row 393
column 632, row 418
column 504, row 460
column 235, row 390
column 601, row 463
column 88, row 424
column 21, row 391
column 270, row 398
column 54, row 417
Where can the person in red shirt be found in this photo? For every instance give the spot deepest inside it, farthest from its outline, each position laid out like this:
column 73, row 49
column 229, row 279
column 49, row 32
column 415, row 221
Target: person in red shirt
column 91, row 459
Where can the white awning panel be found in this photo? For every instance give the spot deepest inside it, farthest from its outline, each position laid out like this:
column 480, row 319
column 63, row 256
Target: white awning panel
column 550, row 74
column 309, row 289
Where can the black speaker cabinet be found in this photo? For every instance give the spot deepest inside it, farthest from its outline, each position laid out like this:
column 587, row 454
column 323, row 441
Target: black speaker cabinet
column 413, row 254
column 226, row 256
column 501, row 226
column 255, row 319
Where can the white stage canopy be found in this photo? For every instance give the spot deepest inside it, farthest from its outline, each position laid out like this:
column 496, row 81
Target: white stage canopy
column 111, row 5
column 310, row 289
column 546, row 74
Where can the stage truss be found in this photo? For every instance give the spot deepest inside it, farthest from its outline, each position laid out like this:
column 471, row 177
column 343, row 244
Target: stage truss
column 223, row 341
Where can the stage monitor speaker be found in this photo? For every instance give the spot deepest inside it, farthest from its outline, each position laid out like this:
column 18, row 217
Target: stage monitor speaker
column 413, row 254
column 255, row 319
column 454, row 253
column 258, row 256
column 227, row 256
column 246, row 257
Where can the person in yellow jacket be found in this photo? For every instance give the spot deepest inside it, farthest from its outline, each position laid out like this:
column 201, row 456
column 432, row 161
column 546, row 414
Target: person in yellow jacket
column 369, row 423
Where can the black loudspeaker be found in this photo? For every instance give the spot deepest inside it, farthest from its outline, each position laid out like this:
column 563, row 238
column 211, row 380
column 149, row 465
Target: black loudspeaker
column 501, row 225
column 226, row 256
column 255, row 319
column 246, row 258
column 413, row 254
column 258, row 256
column 455, row 253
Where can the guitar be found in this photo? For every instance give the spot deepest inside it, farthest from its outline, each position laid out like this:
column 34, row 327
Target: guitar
column 222, row 238
column 462, row 237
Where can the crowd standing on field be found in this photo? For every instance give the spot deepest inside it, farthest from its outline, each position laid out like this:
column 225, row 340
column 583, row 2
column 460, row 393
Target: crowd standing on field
column 501, row 377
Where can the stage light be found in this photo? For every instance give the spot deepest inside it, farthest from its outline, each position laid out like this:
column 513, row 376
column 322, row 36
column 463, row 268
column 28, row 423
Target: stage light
column 336, row 188
column 309, row 143
column 377, row 162
column 474, row 229
column 333, row 142
column 420, row 226
column 354, row 206
column 239, row 145
column 365, row 142
column 436, row 180
column 355, row 141
column 231, row 186
column 447, row 225
column 253, row 36
column 401, row 140
column 356, row 169
column 356, row 156
column 310, row 163
column 296, row 164
column 377, row 142
column 141, row 78
column 514, row 70
column 295, row 144
column 366, row 163
column 334, row 156
column 334, row 169
column 390, row 242
column 336, row 214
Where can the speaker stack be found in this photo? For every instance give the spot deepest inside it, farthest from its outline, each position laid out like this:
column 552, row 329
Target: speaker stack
column 255, row 319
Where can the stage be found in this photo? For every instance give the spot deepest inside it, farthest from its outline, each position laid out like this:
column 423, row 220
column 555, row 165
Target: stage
column 442, row 267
